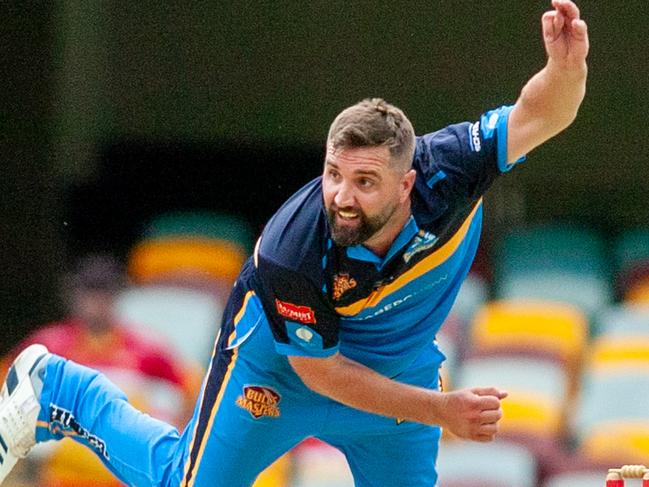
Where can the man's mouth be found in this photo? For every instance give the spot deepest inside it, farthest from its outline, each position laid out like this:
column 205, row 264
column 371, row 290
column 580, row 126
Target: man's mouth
column 347, row 215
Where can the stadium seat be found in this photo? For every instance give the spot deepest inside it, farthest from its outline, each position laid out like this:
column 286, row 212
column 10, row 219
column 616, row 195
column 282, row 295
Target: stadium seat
column 577, row 479
column 160, row 260
column 611, row 420
column 567, row 248
column 497, row 464
column 191, row 247
column 609, row 354
column 623, row 320
column 617, row 443
column 473, row 294
column 276, row 475
column 531, row 328
column 538, row 392
column 201, row 225
column 185, row 318
column 554, row 262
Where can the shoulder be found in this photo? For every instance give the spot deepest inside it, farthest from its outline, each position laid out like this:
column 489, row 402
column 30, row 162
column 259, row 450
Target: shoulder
column 295, row 237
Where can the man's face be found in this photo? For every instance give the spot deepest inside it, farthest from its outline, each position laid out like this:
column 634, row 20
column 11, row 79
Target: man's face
column 362, row 192
column 94, row 307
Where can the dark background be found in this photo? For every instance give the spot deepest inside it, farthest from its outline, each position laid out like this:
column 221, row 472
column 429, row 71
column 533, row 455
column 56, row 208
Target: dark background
column 115, row 111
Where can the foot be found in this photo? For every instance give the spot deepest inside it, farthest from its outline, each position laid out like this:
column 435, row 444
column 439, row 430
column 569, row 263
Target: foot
column 19, row 406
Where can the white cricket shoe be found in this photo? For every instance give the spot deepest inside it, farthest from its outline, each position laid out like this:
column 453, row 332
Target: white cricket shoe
column 19, row 406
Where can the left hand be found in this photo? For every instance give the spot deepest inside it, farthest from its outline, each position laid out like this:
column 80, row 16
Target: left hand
column 565, row 35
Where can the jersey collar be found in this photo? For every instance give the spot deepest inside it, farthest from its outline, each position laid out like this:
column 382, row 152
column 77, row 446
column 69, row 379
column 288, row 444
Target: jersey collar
column 360, row 252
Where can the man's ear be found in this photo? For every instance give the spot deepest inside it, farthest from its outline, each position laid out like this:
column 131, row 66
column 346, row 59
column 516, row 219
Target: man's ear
column 407, row 183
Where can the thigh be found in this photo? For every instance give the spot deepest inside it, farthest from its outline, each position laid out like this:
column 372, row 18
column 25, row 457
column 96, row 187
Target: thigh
column 251, row 411
column 399, row 459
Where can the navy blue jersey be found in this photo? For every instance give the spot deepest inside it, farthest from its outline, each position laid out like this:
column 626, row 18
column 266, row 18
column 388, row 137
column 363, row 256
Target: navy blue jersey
column 321, row 298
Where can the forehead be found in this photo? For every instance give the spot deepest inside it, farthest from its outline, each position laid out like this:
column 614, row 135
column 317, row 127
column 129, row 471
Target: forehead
column 359, row 158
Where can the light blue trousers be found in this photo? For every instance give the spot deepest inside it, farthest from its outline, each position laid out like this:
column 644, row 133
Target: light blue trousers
column 252, row 409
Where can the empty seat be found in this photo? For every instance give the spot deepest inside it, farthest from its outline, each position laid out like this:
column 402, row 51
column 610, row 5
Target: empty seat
column 554, row 262
column 497, row 464
column 186, row 319
column 534, row 328
column 577, row 479
column 624, row 320
column 538, row 392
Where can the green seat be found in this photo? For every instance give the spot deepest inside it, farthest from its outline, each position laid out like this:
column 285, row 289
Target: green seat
column 565, row 263
column 631, row 248
column 201, row 224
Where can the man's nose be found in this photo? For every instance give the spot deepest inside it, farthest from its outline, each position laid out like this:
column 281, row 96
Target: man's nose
column 344, row 196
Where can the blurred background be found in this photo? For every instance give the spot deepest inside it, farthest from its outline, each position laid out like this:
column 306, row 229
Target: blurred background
column 165, row 135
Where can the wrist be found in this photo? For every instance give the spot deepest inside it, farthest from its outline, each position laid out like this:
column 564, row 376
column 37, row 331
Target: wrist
column 566, row 70
column 436, row 408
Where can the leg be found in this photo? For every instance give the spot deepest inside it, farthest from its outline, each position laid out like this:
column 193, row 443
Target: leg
column 253, row 410
column 405, row 459
column 81, row 403
column 385, row 452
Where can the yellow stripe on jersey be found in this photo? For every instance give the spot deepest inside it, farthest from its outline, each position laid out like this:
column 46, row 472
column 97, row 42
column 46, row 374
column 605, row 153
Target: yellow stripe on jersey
column 224, row 384
column 210, row 423
column 430, row 262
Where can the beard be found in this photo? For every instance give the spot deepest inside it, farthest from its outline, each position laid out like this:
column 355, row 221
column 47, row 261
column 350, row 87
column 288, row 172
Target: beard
column 347, row 236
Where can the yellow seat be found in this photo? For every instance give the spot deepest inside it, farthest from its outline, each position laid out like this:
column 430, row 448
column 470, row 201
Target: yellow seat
column 276, row 475
column 73, row 465
column 638, row 292
column 531, row 414
column 531, row 327
column 608, row 353
column 617, row 443
column 156, row 259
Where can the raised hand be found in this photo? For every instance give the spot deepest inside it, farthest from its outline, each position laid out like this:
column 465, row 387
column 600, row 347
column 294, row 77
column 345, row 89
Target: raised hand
column 565, row 35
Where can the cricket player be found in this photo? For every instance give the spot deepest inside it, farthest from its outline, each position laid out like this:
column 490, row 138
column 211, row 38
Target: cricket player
column 330, row 329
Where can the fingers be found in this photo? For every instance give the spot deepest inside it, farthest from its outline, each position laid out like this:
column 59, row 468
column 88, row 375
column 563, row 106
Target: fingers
column 547, row 22
column 489, row 391
column 579, row 29
column 567, row 8
column 491, row 416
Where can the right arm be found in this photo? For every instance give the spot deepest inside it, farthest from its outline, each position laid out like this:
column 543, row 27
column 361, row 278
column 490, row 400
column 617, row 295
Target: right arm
column 469, row 413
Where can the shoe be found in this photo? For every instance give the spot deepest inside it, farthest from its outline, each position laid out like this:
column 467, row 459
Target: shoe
column 19, row 406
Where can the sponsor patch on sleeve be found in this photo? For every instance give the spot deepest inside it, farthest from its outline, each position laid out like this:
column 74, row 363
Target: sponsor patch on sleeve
column 294, row 312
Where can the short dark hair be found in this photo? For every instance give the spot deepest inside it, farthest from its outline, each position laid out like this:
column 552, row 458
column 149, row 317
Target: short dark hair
column 374, row 122
column 96, row 272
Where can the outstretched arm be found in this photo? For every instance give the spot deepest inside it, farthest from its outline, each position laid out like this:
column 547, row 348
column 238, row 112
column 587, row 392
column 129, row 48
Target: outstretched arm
column 468, row 413
column 549, row 101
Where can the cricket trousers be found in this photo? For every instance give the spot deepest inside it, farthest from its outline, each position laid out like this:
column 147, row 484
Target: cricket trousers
column 252, row 408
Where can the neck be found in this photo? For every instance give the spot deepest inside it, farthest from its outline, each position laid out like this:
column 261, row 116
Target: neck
column 381, row 241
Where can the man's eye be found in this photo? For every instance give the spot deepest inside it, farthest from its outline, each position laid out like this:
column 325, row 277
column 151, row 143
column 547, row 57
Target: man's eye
column 365, row 183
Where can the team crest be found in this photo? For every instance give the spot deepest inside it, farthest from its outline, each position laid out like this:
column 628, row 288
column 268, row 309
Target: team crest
column 342, row 284
column 260, row 401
